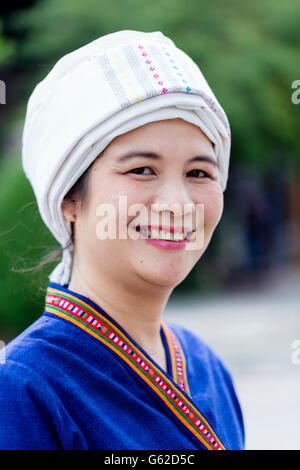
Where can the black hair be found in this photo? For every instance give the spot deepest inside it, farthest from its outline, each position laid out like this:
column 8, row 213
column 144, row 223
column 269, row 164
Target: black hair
column 80, row 191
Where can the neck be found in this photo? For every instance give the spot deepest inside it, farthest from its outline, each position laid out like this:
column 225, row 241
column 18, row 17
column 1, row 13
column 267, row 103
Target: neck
column 138, row 310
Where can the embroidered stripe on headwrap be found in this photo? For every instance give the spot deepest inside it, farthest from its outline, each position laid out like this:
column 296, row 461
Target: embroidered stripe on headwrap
column 110, row 86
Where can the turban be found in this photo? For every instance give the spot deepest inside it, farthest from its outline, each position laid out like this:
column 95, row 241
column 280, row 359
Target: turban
column 104, row 89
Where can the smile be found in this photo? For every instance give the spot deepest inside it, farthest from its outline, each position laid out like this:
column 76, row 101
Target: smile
column 174, row 238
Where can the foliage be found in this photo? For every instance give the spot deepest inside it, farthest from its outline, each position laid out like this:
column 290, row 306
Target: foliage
column 6, row 48
column 23, row 241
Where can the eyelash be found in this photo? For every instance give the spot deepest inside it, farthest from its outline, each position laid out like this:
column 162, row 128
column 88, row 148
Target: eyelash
column 206, row 175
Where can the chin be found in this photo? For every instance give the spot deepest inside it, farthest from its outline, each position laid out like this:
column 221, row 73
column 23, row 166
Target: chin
column 163, row 282
column 164, row 275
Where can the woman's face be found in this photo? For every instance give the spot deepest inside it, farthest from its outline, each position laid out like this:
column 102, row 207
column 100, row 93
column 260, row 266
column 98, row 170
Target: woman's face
column 169, row 178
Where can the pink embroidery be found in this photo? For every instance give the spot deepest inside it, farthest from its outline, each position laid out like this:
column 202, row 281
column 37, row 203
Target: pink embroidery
column 188, row 89
column 156, row 75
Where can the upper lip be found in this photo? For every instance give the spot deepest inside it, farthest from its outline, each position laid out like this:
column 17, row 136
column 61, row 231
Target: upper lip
column 166, row 228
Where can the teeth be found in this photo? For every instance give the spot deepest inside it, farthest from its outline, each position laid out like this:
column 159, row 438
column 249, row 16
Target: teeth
column 163, row 235
column 155, row 234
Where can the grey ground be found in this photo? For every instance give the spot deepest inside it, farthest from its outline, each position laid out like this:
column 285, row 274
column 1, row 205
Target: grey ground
column 253, row 333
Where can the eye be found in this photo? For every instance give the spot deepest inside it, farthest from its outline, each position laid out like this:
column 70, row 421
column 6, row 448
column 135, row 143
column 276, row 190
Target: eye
column 196, row 173
column 140, row 170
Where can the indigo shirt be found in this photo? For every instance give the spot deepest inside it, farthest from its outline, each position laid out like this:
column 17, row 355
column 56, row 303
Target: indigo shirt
column 62, row 388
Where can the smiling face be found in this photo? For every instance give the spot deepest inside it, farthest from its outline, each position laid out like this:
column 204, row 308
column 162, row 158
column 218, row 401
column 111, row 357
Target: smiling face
column 161, row 169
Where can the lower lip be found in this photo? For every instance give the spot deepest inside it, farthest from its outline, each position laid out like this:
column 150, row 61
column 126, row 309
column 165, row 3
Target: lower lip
column 165, row 244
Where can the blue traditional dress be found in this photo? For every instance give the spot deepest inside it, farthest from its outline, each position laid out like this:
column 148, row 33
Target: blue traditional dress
column 76, row 380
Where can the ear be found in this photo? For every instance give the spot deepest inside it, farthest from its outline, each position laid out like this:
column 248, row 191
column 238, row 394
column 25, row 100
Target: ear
column 69, row 209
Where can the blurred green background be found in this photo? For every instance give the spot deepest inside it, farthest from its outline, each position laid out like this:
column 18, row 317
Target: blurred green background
column 249, row 53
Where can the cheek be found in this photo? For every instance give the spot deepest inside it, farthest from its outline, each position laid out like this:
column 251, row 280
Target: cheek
column 116, row 194
column 213, row 201
column 111, row 189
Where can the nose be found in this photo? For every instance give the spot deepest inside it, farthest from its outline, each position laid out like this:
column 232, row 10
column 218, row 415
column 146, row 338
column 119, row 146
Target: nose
column 173, row 202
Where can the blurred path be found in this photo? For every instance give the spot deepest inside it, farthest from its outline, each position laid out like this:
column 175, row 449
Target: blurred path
column 253, row 334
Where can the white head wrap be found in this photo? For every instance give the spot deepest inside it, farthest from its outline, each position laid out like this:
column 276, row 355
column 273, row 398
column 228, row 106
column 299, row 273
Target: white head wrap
column 110, row 86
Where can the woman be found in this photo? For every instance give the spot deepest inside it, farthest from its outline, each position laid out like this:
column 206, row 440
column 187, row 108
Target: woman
column 125, row 145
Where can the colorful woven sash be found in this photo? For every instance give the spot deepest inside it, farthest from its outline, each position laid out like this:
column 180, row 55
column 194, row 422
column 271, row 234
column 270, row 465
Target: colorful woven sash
column 172, row 392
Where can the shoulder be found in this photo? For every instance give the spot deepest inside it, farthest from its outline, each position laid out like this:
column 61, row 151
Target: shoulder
column 25, row 355
column 46, row 344
column 19, row 380
column 33, row 415
column 29, row 404
column 211, row 381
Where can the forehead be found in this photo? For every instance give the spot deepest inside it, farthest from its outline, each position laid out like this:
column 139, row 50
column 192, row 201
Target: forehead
column 175, row 134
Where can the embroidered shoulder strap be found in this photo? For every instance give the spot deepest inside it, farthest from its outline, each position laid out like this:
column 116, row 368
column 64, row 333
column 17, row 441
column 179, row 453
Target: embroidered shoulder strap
column 177, row 359
column 174, row 398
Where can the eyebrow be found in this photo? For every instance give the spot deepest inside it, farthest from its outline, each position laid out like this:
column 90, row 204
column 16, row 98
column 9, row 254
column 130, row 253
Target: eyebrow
column 157, row 156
